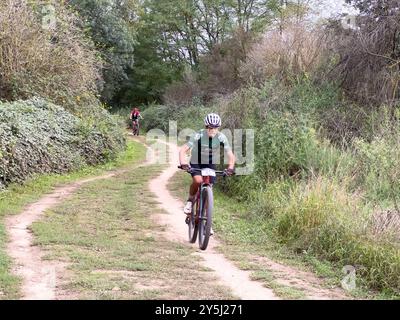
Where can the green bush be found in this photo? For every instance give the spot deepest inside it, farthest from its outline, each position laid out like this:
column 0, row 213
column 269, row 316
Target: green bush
column 243, row 109
column 192, row 117
column 379, row 167
column 270, row 200
column 309, row 98
column 158, row 116
column 284, row 145
column 40, row 137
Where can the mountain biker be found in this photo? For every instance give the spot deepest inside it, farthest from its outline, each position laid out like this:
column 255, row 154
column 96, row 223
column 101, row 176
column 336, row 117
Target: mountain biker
column 205, row 147
column 135, row 115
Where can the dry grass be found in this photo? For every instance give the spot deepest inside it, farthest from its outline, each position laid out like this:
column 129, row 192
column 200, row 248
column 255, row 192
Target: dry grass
column 184, row 92
column 385, row 224
column 55, row 63
column 297, row 51
column 369, row 57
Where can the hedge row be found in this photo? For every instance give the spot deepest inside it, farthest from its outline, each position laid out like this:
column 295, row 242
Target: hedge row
column 39, row 137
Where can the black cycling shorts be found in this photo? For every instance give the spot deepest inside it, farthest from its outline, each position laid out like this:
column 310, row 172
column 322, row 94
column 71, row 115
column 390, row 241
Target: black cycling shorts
column 202, row 166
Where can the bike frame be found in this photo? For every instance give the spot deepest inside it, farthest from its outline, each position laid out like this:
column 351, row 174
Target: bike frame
column 135, row 125
column 206, row 182
column 198, row 220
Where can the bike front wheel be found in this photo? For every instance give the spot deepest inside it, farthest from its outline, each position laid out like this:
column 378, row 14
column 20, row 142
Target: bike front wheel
column 205, row 216
column 137, row 129
column 193, row 225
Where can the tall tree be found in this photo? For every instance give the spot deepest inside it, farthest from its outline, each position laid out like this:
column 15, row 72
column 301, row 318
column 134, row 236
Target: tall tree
column 111, row 24
column 145, row 44
column 370, row 54
column 154, row 68
column 193, row 27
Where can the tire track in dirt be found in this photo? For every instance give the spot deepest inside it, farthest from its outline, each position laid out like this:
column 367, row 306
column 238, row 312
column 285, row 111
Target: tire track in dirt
column 38, row 275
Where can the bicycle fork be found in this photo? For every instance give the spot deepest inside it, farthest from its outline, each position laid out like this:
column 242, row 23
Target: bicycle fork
column 201, row 203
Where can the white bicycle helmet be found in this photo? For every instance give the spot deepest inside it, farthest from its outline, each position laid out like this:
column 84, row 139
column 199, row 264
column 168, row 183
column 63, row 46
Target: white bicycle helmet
column 212, row 120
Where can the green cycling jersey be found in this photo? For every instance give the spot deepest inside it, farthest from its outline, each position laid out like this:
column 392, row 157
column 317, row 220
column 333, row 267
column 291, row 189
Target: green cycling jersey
column 206, row 150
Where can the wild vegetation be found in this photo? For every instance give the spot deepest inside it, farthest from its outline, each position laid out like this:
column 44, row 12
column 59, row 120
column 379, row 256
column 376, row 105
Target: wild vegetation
column 323, row 99
column 50, row 119
column 45, row 58
column 324, row 103
column 63, row 142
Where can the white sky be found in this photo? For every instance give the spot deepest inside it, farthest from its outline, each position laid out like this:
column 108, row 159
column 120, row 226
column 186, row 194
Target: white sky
column 328, row 8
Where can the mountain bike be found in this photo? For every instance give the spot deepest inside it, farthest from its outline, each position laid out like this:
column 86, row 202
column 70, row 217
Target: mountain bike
column 135, row 127
column 200, row 219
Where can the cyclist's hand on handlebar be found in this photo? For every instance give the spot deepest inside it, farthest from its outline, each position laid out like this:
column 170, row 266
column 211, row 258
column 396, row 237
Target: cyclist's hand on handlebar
column 229, row 172
column 185, row 167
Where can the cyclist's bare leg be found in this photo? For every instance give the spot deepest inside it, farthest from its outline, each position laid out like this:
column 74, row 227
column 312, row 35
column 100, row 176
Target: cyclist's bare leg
column 196, row 182
column 134, row 126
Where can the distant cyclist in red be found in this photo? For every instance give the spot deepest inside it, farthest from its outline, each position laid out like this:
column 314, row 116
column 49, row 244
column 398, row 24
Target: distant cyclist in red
column 134, row 117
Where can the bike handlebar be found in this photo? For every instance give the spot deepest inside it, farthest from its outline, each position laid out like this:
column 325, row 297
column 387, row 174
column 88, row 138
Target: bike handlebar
column 191, row 170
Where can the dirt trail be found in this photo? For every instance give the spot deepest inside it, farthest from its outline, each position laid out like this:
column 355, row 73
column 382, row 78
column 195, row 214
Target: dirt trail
column 39, row 277
column 229, row 275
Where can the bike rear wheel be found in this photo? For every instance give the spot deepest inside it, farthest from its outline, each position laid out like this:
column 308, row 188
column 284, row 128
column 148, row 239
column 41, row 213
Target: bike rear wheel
column 137, row 129
column 193, row 225
column 205, row 217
